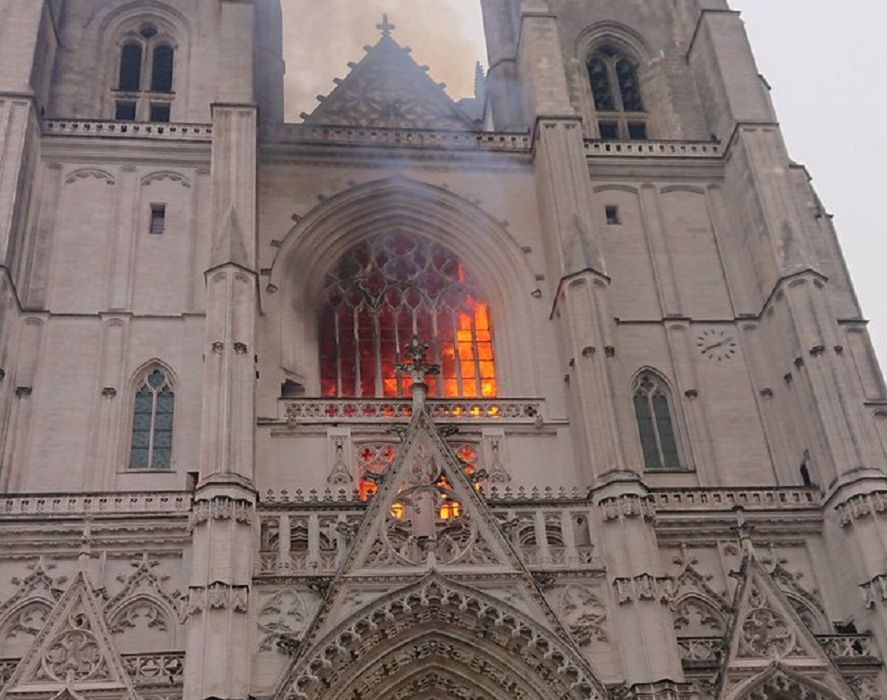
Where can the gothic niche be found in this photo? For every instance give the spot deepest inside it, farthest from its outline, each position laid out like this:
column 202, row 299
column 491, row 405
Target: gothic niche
column 426, row 522
column 385, row 291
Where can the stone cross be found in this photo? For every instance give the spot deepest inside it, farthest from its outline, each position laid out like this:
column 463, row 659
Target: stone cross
column 418, row 368
column 385, row 27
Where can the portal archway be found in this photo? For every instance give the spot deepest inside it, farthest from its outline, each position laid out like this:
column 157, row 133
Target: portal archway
column 437, row 635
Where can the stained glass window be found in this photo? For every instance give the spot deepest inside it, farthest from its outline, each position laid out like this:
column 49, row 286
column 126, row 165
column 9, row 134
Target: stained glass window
column 616, row 90
column 152, row 423
column 652, row 406
column 383, row 292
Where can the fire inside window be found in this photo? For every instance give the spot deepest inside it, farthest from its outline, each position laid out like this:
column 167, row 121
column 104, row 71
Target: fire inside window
column 382, row 293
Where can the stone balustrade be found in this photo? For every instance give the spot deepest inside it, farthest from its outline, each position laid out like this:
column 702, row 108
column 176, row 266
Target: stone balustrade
column 162, row 669
column 167, row 131
column 705, row 499
column 647, row 149
column 42, row 505
column 843, row 649
column 381, row 410
column 398, row 138
column 294, row 541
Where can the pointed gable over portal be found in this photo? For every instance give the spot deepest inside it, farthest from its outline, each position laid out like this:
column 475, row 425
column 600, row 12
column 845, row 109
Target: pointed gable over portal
column 389, row 90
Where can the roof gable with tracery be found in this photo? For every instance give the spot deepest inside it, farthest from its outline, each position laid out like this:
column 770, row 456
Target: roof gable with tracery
column 389, row 90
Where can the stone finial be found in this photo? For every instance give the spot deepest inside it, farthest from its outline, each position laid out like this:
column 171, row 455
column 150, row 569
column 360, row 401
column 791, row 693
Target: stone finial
column 418, row 368
column 385, row 26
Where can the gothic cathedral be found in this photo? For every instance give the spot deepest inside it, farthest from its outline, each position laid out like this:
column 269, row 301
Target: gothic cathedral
column 559, row 392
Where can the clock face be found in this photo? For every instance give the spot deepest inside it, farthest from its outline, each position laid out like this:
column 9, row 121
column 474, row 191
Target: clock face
column 716, row 344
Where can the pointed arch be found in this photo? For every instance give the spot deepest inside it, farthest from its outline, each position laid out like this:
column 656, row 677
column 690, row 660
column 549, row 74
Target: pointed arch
column 150, row 426
column 709, row 612
column 780, row 682
column 21, row 623
column 656, row 419
column 111, row 28
column 318, row 241
column 613, row 65
column 150, row 613
column 437, row 621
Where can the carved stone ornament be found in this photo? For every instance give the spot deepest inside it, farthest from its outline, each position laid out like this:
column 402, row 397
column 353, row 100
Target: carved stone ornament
column 222, row 508
column 629, row 505
column 644, row 587
column 765, row 634
column 282, row 616
column 583, row 614
column 426, row 522
column 217, row 596
column 74, row 655
column 377, row 653
column 143, row 599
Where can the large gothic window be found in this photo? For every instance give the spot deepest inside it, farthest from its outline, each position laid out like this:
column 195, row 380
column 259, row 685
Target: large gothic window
column 617, row 94
column 144, row 87
column 383, row 292
column 152, row 422
column 652, row 407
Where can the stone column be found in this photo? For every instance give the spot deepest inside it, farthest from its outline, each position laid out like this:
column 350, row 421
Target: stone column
column 640, row 587
column 218, row 653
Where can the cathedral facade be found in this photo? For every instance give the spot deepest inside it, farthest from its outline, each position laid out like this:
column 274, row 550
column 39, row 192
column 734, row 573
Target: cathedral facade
column 558, row 392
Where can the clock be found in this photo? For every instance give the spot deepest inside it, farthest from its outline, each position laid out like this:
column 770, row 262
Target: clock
column 716, row 344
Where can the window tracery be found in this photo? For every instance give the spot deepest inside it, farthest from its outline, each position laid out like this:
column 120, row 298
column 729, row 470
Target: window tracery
column 152, row 422
column 145, row 67
column 387, row 290
column 616, row 90
column 652, row 406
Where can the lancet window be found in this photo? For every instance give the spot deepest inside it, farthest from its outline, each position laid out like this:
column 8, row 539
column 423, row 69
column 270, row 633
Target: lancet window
column 152, row 422
column 388, row 289
column 144, row 86
column 652, row 407
column 616, row 89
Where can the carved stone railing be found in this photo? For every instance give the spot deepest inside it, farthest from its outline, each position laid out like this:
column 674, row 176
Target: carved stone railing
column 849, row 648
column 659, row 149
column 166, row 669
column 701, row 650
column 843, row 649
column 167, row 131
column 160, row 502
column 398, row 138
column 726, row 499
column 379, row 410
column 295, row 541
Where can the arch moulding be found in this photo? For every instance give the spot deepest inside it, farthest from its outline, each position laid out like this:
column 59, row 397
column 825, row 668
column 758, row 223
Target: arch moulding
column 397, row 204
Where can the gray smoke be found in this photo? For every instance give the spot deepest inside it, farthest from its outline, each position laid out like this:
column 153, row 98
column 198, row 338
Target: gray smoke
column 322, row 36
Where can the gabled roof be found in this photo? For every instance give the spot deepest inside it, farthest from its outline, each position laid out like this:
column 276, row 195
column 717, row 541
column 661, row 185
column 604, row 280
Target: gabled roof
column 388, row 89
column 767, row 637
column 73, row 652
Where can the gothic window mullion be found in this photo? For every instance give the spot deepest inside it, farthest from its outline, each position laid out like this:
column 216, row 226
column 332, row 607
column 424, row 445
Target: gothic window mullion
column 475, row 351
column 377, row 352
column 358, row 381
column 390, row 288
column 152, row 427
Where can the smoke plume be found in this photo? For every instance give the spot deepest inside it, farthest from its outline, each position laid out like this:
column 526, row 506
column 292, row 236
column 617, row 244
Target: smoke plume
column 322, row 36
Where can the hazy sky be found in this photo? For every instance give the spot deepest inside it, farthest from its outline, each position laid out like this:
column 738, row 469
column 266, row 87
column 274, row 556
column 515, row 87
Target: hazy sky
column 821, row 62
